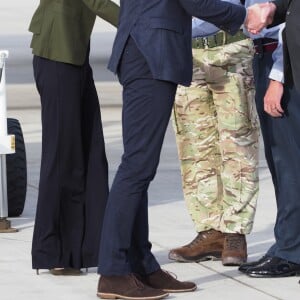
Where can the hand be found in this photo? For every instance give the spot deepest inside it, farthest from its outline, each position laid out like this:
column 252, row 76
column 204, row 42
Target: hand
column 272, row 99
column 259, row 16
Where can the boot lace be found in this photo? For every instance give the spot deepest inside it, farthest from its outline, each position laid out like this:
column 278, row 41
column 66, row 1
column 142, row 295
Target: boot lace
column 168, row 273
column 199, row 238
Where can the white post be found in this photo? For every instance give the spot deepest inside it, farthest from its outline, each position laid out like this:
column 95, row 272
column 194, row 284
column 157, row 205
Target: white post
column 3, row 133
column 7, row 146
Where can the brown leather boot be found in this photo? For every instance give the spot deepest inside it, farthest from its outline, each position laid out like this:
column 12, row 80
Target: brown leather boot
column 207, row 245
column 163, row 280
column 235, row 249
column 127, row 287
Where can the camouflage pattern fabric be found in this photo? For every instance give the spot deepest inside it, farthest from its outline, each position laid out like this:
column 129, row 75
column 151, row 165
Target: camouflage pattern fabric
column 217, row 134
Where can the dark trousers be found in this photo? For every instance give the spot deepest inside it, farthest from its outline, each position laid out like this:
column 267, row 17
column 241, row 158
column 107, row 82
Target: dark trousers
column 262, row 65
column 286, row 155
column 147, row 105
column 282, row 150
column 73, row 187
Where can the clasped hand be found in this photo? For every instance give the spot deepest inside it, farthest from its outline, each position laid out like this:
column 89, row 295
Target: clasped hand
column 259, row 16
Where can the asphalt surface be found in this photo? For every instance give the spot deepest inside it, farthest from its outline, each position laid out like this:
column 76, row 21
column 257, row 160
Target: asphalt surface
column 170, row 225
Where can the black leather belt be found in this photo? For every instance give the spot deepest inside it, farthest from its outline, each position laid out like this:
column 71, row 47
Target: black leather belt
column 221, row 38
column 263, row 45
column 263, row 41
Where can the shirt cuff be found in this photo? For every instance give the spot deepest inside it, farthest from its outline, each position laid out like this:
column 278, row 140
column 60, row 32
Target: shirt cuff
column 276, row 75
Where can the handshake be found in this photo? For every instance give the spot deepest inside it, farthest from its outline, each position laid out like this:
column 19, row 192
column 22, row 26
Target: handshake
column 259, row 16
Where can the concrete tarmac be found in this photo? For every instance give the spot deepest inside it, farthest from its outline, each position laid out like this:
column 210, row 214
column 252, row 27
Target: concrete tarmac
column 170, row 225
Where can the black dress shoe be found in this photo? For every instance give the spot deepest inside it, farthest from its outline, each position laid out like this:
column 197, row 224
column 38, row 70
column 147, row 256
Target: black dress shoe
column 244, row 267
column 275, row 267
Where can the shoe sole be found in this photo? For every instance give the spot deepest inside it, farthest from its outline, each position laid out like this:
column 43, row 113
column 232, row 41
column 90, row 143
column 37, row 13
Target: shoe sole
column 233, row 261
column 273, row 276
column 117, row 296
column 211, row 256
column 64, row 272
column 180, row 291
column 244, row 271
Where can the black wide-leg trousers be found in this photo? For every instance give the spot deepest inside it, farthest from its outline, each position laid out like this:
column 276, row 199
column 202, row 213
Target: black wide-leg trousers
column 73, row 186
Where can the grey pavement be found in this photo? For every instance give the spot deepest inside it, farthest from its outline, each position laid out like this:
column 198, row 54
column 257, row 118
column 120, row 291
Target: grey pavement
column 170, row 225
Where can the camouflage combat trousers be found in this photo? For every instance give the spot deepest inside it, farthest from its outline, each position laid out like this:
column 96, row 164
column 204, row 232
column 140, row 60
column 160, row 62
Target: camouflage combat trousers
column 217, row 134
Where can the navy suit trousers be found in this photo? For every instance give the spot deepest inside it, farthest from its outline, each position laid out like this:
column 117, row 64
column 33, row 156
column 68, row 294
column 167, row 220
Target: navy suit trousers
column 262, row 65
column 282, row 150
column 147, row 105
column 285, row 149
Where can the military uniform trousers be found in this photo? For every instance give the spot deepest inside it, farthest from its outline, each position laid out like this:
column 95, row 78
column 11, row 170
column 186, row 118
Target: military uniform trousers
column 73, row 186
column 217, row 132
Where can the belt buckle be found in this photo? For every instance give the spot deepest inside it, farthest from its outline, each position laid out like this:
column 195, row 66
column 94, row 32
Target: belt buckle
column 224, row 37
column 259, row 48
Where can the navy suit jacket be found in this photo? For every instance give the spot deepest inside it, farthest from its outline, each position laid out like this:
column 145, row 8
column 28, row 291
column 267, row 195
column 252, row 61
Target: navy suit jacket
column 162, row 32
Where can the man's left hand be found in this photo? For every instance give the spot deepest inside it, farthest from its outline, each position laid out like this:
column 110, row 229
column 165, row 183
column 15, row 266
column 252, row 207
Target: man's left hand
column 272, row 99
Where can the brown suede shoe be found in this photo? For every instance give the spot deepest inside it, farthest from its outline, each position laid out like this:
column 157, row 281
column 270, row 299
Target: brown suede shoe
column 235, row 249
column 207, row 245
column 163, row 280
column 127, row 287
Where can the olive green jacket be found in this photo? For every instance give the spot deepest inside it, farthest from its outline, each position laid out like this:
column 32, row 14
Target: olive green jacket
column 62, row 28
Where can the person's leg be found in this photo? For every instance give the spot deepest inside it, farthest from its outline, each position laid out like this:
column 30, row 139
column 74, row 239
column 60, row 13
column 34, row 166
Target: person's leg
column 233, row 92
column 283, row 257
column 147, row 105
column 285, row 150
column 59, row 224
column 195, row 126
column 140, row 244
column 96, row 174
column 233, row 95
column 262, row 65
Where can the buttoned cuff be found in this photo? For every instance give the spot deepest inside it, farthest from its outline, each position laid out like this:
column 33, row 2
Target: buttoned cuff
column 276, row 75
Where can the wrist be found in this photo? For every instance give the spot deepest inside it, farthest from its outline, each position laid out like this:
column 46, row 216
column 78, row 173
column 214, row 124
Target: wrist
column 275, row 83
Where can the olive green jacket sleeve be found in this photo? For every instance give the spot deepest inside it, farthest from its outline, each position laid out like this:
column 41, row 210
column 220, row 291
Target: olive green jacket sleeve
column 62, row 28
